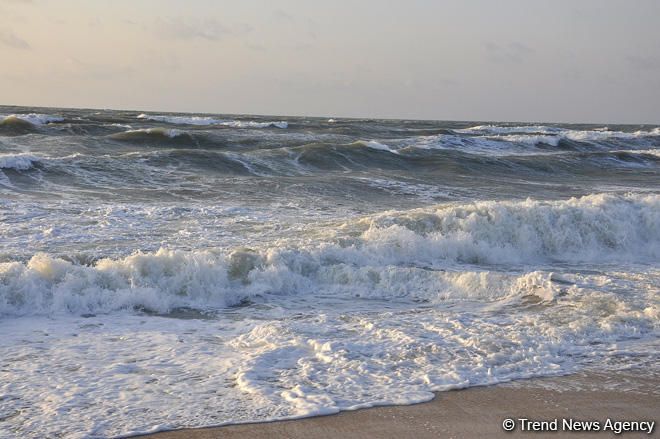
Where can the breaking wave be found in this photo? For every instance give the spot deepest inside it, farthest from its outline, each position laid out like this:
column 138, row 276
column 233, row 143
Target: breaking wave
column 18, row 124
column 34, row 118
column 493, row 137
column 18, row 162
column 592, row 134
column 411, row 254
column 206, row 121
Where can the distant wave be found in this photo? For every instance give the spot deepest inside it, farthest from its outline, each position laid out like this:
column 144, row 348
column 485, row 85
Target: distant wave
column 196, row 153
column 545, row 129
column 151, row 134
column 180, row 120
column 252, row 124
column 205, row 121
column 376, row 145
column 18, row 124
column 504, row 140
column 527, row 133
column 377, row 258
column 18, row 162
column 34, row 118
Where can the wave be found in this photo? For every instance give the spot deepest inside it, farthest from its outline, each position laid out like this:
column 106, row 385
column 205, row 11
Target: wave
column 253, row 124
column 509, row 129
column 35, row 118
column 375, row 145
column 14, row 126
column 19, row 124
column 418, row 254
column 504, row 141
column 180, row 120
column 206, row 121
column 639, row 152
column 181, row 156
column 512, row 144
column 218, row 161
column 146, row 135
column 535, row 134
column 360, row 154
column 545, row 129
column 18, row 162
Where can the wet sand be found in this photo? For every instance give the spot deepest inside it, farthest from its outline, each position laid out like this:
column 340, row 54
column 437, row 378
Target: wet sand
column 474, row 413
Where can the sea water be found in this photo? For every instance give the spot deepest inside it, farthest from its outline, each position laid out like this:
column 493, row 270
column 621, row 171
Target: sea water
column 161, row 271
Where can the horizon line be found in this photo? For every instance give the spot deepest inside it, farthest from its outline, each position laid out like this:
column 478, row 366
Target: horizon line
column 537, row 121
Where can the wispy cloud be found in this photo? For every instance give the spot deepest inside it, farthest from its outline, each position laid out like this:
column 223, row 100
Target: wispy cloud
column 281, row 15
column 188, row 29
column 8, row 38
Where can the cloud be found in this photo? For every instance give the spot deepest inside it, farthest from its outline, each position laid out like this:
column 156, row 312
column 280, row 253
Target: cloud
column 189, row 29
column 167, row 62
column 10, row 39
column 256, row 47
column 514, row 52
column 281, row 15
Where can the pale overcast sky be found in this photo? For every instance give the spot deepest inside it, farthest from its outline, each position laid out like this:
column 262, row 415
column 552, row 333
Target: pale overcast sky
column 518, row 60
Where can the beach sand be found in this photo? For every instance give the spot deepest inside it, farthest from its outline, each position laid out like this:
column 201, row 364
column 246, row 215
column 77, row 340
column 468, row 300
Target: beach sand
column 475, row 412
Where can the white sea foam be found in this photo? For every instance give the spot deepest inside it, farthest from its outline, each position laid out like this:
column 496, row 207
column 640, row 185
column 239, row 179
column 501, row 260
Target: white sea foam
column 527, row 133
column 206, row 120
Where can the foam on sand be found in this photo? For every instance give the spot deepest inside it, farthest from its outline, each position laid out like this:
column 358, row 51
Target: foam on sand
column 111, row 375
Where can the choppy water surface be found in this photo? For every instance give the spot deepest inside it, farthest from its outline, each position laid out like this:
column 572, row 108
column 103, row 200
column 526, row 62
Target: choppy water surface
column 161, row 271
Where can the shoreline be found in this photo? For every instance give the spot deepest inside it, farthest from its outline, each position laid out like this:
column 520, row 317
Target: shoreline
column 631, row 395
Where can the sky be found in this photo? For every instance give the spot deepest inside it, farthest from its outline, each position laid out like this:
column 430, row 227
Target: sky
column 515, row 60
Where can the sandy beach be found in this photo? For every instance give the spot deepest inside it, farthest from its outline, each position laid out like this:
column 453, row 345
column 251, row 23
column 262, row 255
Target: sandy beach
column 475, row 412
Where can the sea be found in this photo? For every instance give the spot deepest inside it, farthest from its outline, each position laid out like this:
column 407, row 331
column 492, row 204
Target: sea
column 161, row 270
